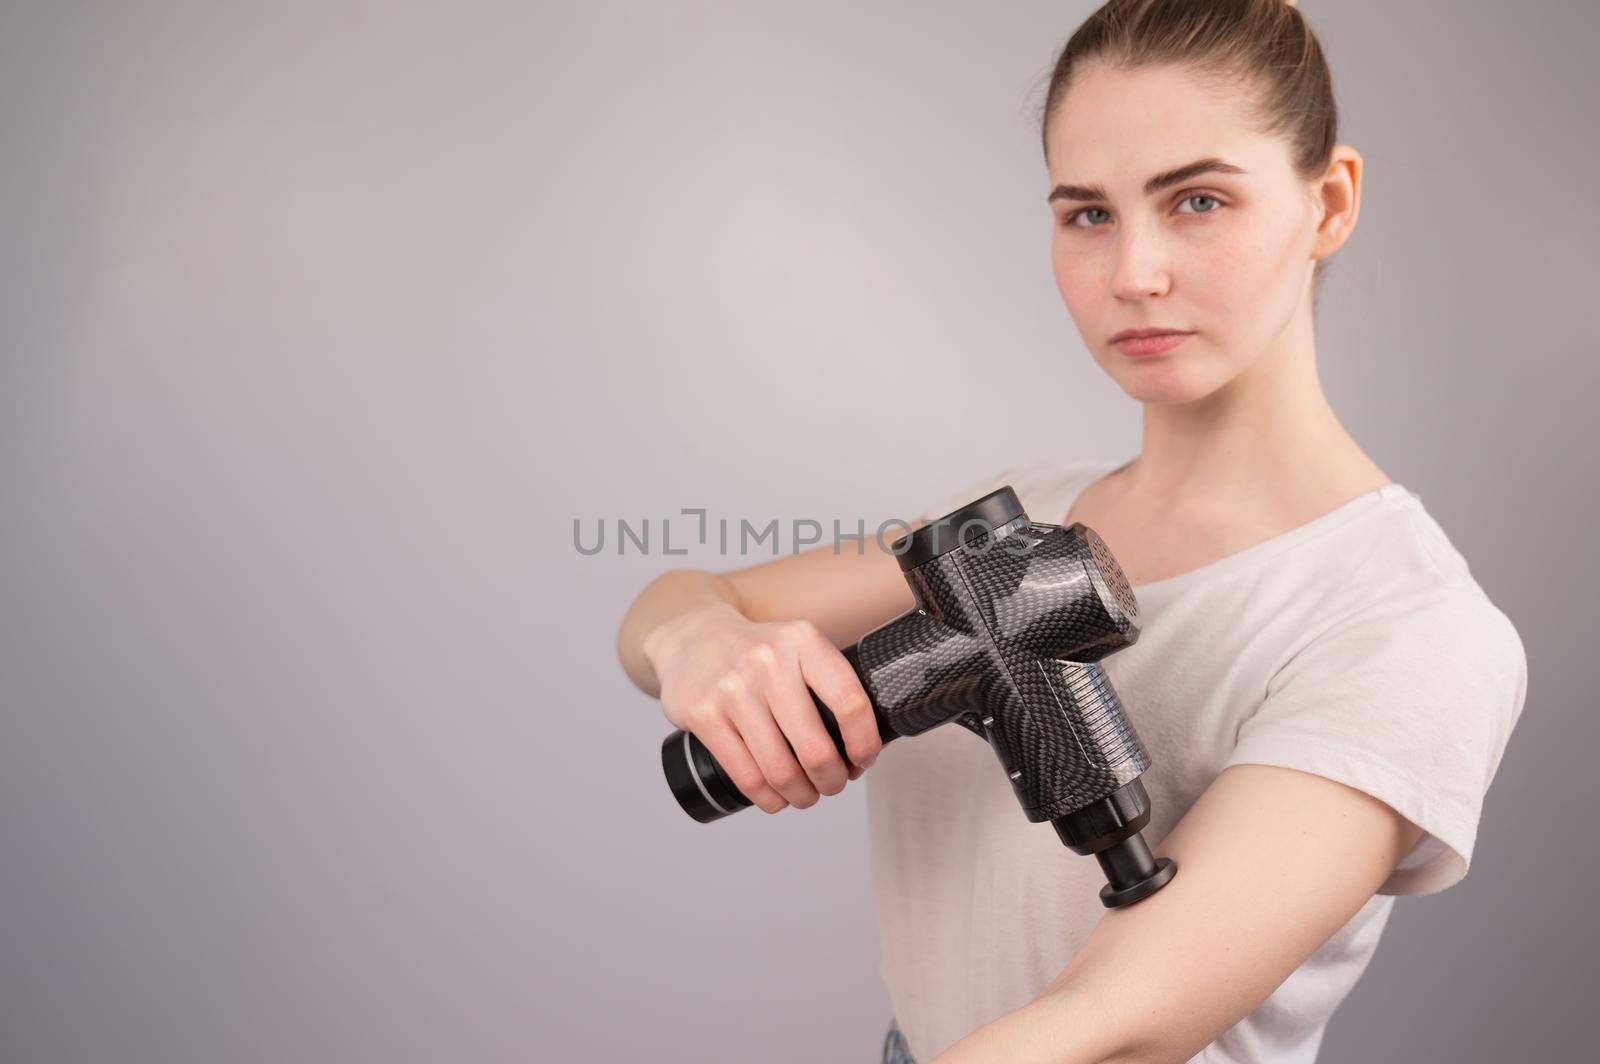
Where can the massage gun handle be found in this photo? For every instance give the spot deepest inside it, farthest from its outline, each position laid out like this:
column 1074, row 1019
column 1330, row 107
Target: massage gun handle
column 704, row 788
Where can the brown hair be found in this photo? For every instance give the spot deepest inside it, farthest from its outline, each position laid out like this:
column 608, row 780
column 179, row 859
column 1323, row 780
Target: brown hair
column 1264, row 42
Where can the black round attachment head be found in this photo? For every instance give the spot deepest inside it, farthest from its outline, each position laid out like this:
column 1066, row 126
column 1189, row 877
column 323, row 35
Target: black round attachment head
column 965, row 524
column 1133, row 875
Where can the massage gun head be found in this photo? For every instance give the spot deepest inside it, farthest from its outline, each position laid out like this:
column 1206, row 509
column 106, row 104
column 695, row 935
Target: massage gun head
column 1003, row 604
column 1013, row 618
column 1056, row 590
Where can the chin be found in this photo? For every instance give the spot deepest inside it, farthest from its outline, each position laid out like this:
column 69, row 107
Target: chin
column 1165, row 381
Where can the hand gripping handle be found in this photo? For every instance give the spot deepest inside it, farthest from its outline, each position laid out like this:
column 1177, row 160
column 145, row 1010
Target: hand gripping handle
column 705, row 790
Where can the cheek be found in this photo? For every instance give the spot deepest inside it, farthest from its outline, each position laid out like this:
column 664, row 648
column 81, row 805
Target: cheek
column 1079, row 276
column 1260, row 270
column 1237, row 271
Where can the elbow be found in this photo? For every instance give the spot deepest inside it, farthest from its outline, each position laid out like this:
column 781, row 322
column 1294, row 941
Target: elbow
column 1106, row 1034
column 638, row 619
column 1166, row 1045
column 1149, row 1050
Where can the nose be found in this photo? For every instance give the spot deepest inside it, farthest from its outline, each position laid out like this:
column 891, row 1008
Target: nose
column 1140, row 271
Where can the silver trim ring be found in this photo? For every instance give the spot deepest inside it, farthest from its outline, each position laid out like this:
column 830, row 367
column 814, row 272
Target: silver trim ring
column 689, row 758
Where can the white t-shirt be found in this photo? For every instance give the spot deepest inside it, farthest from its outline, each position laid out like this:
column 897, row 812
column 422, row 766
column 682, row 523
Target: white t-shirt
column 1357, row 647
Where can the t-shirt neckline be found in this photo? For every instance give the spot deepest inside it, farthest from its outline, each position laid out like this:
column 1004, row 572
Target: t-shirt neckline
column 1267, row 548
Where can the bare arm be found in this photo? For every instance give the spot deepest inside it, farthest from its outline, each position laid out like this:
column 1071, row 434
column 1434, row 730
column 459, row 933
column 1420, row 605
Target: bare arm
column 845, row 595
column 1272, row 862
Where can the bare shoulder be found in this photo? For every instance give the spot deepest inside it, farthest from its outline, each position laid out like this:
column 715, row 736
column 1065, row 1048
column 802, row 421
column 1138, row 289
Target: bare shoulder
column 1156, row 535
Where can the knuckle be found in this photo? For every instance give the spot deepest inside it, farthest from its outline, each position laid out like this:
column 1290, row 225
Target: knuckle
column 762, row 652
column 856, row 704
column 815, row 753
column 763, row 658
column 802, row 629
column 750, row 781
column 783, row 776
column 701, row 712
column 731, row 684
column 759, row 660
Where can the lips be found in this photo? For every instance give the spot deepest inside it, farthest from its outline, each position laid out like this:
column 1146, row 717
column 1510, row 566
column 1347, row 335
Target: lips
column 1155, row 330
column 1136, row 342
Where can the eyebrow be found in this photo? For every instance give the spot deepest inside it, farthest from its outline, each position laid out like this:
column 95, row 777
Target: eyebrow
column 1154, row 185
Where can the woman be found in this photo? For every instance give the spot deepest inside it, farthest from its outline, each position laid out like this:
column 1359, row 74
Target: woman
column 1324, row 689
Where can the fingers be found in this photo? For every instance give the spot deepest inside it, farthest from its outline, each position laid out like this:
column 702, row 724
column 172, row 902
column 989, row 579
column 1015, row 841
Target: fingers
column 751, row 703
column 796, row 712
column 752, row 715
column 827, row 672
column 724, row 742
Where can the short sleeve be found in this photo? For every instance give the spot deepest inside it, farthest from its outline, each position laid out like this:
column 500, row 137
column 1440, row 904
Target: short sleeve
column 1411, row 701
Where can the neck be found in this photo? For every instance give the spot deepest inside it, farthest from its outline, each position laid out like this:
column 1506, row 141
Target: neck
column 1267, row 431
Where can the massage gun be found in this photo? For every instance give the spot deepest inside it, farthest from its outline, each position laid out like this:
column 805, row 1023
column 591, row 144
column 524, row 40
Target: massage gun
column 1011, row 621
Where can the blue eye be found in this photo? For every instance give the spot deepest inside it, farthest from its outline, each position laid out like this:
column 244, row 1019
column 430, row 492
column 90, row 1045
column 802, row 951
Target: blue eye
column 1215, row 202
column 1087, row 210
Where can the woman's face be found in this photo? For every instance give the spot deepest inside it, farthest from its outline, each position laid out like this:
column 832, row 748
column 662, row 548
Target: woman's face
column 1225, row 255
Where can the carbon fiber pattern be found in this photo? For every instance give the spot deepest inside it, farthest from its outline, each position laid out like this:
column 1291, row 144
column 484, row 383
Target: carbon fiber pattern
column 1110, row 572
column 1004, row 641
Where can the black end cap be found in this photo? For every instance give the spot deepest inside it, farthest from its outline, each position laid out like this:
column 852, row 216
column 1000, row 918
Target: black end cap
column 965, row 524
column 686, row 763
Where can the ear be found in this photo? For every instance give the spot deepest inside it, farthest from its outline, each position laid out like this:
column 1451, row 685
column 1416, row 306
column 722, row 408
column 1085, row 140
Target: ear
column 1338, row 194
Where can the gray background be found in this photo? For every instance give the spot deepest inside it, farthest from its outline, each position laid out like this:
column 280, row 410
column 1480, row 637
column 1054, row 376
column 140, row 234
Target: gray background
column 321, row 323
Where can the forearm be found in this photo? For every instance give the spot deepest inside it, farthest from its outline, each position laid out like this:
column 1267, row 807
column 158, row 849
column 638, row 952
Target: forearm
column 1061, row 1026
column 668, row 596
